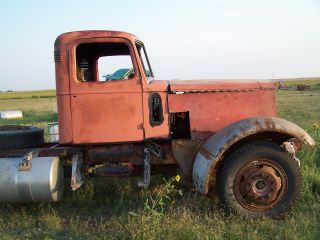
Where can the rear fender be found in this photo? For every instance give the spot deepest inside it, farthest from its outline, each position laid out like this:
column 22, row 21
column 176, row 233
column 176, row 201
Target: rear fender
column 214, row 148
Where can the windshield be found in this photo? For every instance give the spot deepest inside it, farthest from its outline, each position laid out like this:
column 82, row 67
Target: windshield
column 145, row 61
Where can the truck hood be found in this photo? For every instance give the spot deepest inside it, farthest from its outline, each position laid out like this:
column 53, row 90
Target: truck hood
column 219, row 85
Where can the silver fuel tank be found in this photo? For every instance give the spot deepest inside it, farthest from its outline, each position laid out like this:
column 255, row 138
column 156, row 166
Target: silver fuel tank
column 42, row 180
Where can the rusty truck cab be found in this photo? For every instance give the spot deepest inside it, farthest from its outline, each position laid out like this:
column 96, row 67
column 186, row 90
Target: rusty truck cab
column 94, row 108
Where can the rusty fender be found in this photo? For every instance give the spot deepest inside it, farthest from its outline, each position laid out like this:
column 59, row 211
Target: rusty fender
column 215, row 146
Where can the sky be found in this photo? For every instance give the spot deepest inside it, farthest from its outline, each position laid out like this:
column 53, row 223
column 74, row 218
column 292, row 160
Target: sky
column 204, row 39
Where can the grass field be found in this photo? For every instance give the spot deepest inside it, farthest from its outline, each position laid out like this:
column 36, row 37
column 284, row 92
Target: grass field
column 28, row 94
column 101, row 208
column 38, row 107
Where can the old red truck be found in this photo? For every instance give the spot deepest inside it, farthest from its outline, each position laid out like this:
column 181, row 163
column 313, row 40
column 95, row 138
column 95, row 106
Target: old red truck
column 223, row 135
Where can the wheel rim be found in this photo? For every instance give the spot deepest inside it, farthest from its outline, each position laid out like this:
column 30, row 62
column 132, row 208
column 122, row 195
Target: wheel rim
column 260, row 185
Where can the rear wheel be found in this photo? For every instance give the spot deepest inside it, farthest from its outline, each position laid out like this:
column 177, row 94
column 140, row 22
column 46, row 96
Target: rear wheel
column 260, row 179
column 15, row 137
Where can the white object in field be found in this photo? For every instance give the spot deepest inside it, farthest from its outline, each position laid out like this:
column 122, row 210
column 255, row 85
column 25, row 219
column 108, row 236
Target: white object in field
column 11, row 114
column 53, row 131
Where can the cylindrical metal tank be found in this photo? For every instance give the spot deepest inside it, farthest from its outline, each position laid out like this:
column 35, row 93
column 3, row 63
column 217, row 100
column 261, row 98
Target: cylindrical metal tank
column 43, row 182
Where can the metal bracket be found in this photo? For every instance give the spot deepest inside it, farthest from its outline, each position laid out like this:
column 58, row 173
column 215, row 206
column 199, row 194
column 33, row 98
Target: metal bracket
column 76, row 179
column 26, row 163
column 154, row 148
column 290, row 148
column 147, row 169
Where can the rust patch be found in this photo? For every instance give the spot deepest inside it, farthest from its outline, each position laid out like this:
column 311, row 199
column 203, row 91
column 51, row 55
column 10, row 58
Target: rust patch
column 185, row 151
column 206, row 154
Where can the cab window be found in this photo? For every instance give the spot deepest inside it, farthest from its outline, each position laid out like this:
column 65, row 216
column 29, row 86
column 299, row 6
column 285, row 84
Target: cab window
column 145, row 61
column 103, row 62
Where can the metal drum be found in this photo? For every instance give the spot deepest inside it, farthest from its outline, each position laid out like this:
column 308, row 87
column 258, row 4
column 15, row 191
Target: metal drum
column 43, row 181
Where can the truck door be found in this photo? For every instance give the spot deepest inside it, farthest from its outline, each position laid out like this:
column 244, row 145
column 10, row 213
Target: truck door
column 106, row 92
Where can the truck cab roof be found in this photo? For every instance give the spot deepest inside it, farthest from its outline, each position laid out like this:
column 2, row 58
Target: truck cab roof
column 72, row 36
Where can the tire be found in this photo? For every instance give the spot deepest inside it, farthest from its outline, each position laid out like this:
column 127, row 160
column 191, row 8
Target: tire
column 18, row 137
column 260, row 179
